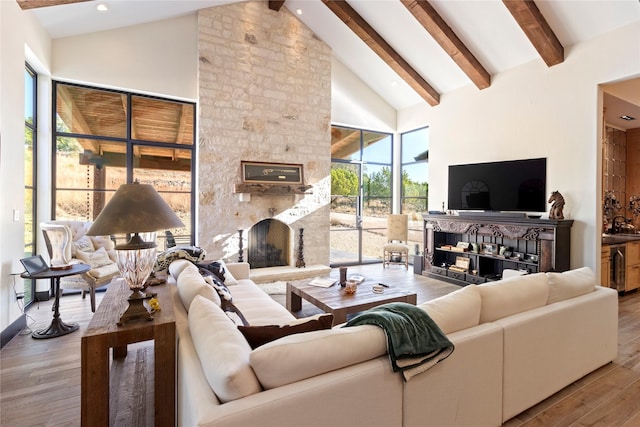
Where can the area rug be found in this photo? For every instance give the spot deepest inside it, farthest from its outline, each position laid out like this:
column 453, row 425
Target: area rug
column 274, row 288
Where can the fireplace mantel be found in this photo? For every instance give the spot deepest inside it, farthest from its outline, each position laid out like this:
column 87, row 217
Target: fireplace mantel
column 273, row 189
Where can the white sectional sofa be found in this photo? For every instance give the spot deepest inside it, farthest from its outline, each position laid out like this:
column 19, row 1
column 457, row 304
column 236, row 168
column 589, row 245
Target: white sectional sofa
column 517, row 341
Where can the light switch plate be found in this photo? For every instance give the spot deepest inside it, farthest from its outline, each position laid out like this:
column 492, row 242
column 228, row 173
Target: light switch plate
column 16, row 215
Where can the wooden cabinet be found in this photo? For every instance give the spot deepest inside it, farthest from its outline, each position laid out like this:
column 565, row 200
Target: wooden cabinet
column 632, row 266
column 544, row 245
column 605, row 266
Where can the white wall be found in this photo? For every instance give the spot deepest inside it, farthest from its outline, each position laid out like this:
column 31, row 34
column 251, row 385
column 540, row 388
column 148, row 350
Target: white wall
column 536, row 111
column 18, row 30
column 159, row 58
column 354, row 104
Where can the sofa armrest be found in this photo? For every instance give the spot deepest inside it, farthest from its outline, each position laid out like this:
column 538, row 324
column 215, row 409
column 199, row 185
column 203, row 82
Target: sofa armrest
column 239, row 270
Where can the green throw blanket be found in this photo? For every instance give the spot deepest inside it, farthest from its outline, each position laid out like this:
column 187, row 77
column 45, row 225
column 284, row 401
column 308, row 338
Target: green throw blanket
column 414, row 342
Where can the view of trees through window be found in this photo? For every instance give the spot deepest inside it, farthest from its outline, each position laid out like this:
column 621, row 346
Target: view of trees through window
column 362, row 190
column 360, row 194
column 106, row 138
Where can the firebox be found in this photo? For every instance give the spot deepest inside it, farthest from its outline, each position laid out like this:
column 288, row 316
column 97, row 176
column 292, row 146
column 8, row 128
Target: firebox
column 269, row 244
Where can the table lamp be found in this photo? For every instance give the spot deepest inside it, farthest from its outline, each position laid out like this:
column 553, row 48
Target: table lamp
column 133, row 209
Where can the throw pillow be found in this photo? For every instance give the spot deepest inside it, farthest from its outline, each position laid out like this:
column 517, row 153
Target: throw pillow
column 220, row 269
column 229, row 280
column 299, row 356
column 83, row 244
column 95, row 258
column 510, row 296
column 259, row 335
column 222, row 290
column 226, row 298
column 222, row 350
column 214, row 268
column 190, row 284
column 455, row 311
column 570, row 284
column 103, row 242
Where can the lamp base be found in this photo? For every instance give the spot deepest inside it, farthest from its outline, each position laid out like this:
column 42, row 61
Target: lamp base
column 136, row 309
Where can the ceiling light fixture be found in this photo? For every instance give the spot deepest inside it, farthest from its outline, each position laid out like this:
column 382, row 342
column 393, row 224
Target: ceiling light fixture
column 628, row 118
column 299, row 11
column 102, row 7
column 394, row 83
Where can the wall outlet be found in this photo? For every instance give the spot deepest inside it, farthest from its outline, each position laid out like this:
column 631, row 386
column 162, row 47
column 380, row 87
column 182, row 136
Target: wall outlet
column 16, row 215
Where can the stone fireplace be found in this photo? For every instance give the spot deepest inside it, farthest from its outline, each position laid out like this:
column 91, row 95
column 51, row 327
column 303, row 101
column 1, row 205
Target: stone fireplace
column 264, row 94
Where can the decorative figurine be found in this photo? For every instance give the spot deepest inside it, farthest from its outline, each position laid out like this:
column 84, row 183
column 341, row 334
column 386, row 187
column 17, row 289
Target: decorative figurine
column 557, row 204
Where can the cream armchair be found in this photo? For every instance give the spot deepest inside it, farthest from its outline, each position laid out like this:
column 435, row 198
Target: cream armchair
column 396, row 251
column 67, row 243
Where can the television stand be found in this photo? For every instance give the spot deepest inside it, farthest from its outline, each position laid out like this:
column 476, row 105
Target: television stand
column 495, row 243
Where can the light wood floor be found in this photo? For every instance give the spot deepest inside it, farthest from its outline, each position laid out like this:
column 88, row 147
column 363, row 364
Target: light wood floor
column 40, row 379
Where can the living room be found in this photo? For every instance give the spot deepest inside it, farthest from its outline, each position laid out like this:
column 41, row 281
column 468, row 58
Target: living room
column 529, row 111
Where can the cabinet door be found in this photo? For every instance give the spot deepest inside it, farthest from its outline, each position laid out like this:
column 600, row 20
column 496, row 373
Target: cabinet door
column 633, row 278
column 632, row 257
column 605, row 267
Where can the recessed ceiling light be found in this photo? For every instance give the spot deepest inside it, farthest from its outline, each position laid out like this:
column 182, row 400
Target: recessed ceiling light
column 102, row 7
column 299, row 11
column 625, row 117
column 394, row 83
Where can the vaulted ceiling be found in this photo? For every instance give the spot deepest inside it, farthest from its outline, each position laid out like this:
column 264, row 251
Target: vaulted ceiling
column 407, row 51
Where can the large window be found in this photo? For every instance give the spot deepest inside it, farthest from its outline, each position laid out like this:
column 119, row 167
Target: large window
column 415, row 175
column 360, row 194
column 30, row 170
column 106, row 138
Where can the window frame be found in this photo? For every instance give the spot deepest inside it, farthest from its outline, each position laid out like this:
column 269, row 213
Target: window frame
column 129, row 142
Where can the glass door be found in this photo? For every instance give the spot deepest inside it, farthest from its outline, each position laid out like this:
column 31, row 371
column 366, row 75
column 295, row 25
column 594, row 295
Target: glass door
column 345, row 214
column 360, row 195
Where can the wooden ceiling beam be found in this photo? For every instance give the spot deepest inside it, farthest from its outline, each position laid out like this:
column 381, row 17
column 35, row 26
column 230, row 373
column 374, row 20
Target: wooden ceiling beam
column 276, row 4
column 449, row 41
column 536, row 28
column 34, row 4
column 358, row 25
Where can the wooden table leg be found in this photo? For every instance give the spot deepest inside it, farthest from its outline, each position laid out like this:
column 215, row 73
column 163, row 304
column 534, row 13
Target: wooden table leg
column 94, row 405
column 294, row 302
column 165, row 375
column 339, row 316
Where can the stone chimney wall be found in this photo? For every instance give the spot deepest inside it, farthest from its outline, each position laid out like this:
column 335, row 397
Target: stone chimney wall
column 264, row 95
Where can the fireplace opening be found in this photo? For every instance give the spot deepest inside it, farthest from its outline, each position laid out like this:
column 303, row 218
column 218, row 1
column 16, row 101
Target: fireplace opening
column 269, row 244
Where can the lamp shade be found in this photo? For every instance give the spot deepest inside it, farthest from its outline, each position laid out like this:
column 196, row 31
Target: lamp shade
column 134, row 208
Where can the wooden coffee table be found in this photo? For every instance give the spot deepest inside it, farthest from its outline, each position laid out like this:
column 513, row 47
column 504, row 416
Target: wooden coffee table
column 335, row 300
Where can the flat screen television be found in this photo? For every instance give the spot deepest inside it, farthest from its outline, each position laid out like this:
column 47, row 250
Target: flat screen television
column 507, row 186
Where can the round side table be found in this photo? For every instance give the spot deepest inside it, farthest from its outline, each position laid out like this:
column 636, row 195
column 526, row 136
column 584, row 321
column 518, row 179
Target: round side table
column 57, row 327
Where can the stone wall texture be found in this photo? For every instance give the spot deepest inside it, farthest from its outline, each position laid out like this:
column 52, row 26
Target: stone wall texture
column 264, row 95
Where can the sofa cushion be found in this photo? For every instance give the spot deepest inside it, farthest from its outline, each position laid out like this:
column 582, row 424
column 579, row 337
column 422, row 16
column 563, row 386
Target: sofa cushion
column 94, row 258
column 178, row 266
column 191, row 284
column 258, row 307
column 455, row 311
column 570, row 284
column 299, row 356
column 514, row 295
column 259, row 335
column 222, row 350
